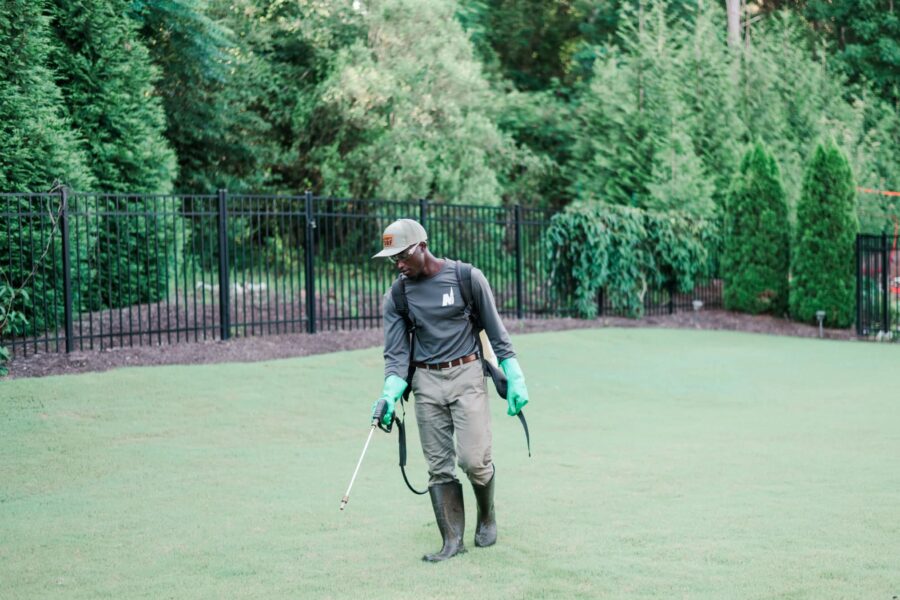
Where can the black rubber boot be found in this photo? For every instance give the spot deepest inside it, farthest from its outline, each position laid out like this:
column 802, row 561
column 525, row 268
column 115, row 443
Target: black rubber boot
column 486, row 530
column 447, row 500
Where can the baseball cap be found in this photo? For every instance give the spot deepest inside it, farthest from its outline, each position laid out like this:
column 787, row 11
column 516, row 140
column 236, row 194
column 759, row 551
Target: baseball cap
column 400, row 235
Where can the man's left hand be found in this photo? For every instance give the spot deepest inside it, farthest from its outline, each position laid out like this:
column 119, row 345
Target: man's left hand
column 516, row 391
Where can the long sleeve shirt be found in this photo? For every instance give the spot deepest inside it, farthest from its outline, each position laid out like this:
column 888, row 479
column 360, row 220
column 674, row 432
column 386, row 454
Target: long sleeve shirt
column 443, row 330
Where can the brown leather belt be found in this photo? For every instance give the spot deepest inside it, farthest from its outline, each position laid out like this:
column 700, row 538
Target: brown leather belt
column 446, row 365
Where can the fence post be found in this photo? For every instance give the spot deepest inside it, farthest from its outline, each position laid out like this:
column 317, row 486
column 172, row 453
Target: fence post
column 423, row 212
column 859, row 291
column 885, row 295
column 520, row 279
column 673, row 287
column 66, row 268
column 310, row 265
column 224, row 283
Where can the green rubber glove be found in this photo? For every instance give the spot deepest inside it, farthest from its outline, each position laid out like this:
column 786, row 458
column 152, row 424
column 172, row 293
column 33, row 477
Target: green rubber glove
column 516, row 392
column 393, row 388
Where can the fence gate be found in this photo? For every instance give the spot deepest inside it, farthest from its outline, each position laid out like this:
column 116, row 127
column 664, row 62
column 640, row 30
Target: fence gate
column 877, row 285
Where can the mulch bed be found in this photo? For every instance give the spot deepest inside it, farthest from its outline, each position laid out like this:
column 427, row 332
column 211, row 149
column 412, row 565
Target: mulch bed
column 251, row 349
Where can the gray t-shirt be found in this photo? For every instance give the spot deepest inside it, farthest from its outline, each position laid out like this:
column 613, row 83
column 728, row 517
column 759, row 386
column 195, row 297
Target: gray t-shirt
column 443, row 331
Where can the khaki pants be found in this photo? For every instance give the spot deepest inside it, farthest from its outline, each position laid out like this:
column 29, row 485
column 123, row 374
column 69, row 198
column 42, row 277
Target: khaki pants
column 450, row 401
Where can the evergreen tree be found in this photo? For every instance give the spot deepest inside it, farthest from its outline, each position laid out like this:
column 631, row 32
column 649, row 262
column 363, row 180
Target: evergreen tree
column 606, row 164
column 822, row 269
column 709, row 93
column 790, row 99
column 755, row 261
column 282, row 54
column 679, row 181
column 37, row 143
column 874, row 161
column 541, row 122
column 633, row 146
column 37, row 146
column 107, row 81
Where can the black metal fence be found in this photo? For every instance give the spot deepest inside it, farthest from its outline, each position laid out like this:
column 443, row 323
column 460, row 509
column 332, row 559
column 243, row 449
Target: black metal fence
column 106, row 270
column 877, row 286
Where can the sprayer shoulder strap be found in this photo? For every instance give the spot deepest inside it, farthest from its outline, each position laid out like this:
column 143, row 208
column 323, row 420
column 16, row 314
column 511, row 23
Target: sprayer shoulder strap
column 464, row 280
column 398, row 294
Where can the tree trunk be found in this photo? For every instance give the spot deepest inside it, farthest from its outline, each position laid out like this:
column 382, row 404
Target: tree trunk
column 733, row 8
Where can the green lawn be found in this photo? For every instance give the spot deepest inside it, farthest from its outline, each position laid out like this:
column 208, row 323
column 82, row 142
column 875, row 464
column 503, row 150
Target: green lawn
column 667, row 464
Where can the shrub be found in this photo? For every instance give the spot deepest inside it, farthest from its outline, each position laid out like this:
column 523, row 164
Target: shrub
column 623, row 251
column 823, row 275
column 756, row 256
column 10, row 319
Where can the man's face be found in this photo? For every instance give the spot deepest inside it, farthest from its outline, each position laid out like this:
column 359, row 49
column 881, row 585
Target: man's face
column 410, row 262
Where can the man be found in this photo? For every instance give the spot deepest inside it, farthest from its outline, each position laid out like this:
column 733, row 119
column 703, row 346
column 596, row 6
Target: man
column 448, row 384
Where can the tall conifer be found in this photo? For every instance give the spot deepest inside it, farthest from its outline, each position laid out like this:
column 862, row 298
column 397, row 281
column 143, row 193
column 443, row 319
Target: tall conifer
column 107, row 80
column 37, row 147
column 822, row 269
column 37, row 143
column 756, row 257
column 108, row 83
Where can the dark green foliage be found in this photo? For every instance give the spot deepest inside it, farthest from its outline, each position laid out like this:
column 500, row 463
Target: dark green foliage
column 613, row 149
column 757, row 238
column 540, row 44
column 880, row 168
column 578, row 243
column 623, row 251
column 680, row 244
column 285, row 51
column 709, row 94
column 541, row 122
column 108, row 84
column 822, row 267
column 11, row 319
column 654, row 127
column 107, row 81
column 37, row 144
column 219, row 140
column 531, row 38
column 128, row 258
column 865, row 35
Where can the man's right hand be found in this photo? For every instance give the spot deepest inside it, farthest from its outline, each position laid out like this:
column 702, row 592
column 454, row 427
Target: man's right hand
column 393, row 388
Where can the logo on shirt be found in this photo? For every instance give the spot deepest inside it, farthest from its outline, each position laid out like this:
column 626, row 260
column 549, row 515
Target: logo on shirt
column 449, row 299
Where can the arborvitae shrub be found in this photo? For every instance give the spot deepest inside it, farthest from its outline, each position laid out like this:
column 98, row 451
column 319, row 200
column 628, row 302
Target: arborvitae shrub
column 756, row 257
column 823, row 276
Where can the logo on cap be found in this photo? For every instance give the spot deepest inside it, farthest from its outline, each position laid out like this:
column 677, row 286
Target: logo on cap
column 387, row 241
